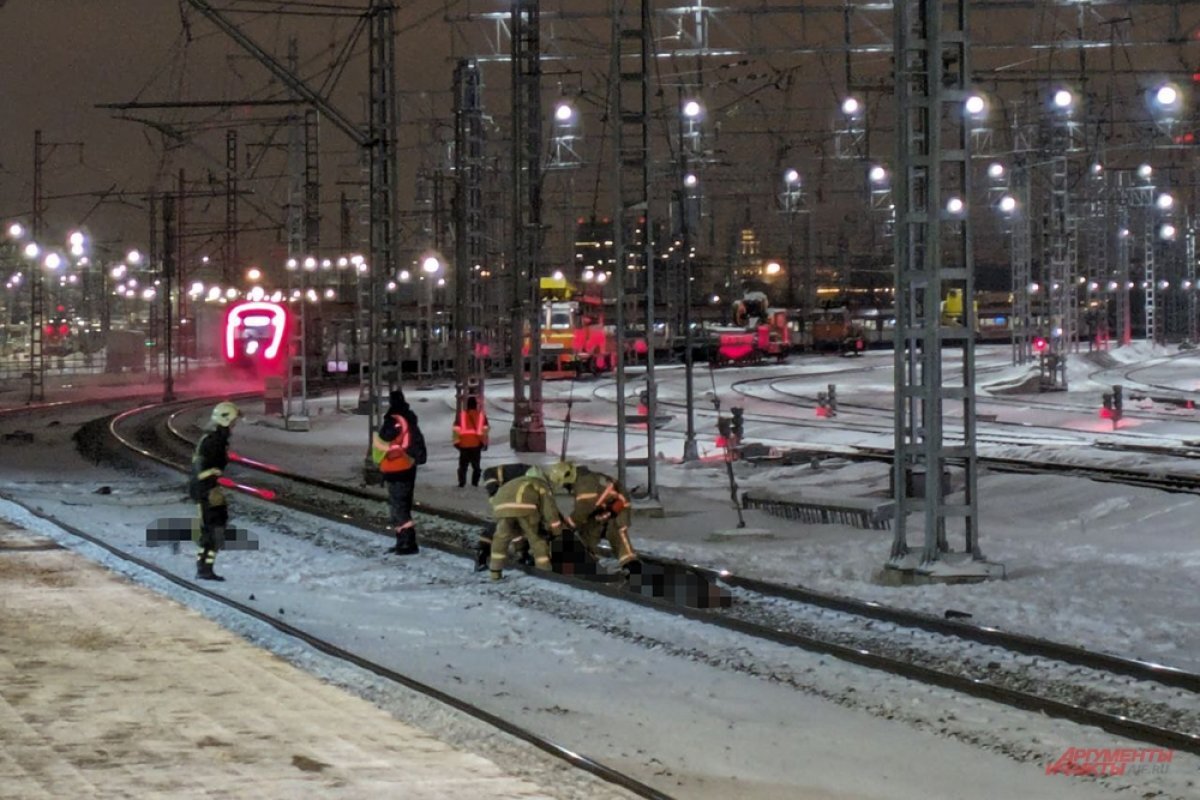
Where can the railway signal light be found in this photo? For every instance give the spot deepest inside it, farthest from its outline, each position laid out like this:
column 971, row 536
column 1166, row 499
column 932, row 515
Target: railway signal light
column 1107, row 411
column 1039, row 344
column 738, row 423
column 1117, row 405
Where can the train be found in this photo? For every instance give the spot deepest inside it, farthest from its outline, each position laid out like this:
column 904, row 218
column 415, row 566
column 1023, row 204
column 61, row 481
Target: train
column 255, row 336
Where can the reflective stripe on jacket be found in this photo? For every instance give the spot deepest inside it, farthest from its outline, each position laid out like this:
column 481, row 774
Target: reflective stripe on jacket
column 527, row 496
column 470, row 429
column 596, row 493
column 393, row 456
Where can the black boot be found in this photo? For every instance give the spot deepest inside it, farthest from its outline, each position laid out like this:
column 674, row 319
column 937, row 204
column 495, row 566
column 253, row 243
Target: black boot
column 406, row 542
column 204, row 572
column 483, row 552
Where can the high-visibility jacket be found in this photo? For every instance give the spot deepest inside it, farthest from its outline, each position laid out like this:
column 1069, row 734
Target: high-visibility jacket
column 392, row 456
column 527, row 496
column 597, row 493
column 470, row 429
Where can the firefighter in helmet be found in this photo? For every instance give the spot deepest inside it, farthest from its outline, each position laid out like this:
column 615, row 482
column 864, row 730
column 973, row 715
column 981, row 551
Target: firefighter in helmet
column 523, row 507
column 208, row 463
column 602, row 510
column 493, row 479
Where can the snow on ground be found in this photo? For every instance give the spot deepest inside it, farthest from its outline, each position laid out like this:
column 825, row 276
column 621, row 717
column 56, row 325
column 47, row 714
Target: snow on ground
column 1087, row 562
column 1091, row 563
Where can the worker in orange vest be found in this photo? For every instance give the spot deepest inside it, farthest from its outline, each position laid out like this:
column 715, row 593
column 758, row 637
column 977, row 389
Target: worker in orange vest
column 470, row 436
column 398, row 448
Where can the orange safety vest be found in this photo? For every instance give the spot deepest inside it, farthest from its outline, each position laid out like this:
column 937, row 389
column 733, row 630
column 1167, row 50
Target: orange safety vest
column 471, row 429
column 393, row 456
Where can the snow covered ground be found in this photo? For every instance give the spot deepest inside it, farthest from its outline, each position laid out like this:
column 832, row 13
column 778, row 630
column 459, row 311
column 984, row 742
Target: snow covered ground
column 1100, row 565
column 708, row 714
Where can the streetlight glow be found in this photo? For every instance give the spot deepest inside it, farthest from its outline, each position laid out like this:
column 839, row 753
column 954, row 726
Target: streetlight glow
column 692, row 109
column 995, row 171
column 851, row 106
column 53, row 261
column 254, row 274
column 1167, row 97
column 564, row 112
column 975, row 105
column 955, row 205
column 430, row 265
column 877, row 174
column 1008, row 204
column 1063, row 99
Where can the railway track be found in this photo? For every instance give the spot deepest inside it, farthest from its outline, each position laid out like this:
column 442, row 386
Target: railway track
column 1146, row 702
column 148, row 441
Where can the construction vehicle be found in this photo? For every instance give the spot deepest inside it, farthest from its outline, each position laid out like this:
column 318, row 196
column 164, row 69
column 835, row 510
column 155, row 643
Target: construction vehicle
column 758, row 332
column 574, row 338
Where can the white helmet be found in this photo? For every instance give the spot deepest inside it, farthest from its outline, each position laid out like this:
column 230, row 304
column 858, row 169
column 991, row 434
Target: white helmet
column 224, row 414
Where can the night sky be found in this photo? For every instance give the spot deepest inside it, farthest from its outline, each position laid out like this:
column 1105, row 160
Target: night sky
column 62, row 57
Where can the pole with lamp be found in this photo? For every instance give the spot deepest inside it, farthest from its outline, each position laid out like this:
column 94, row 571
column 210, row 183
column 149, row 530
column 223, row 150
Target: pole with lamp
column 688, row 185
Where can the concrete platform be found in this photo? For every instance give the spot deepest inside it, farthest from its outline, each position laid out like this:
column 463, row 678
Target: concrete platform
column 109, row 690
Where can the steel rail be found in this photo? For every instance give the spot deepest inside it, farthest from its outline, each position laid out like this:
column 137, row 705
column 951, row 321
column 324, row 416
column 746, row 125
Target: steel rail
column 976, row 687
column 571, row 757
column 1030, row 645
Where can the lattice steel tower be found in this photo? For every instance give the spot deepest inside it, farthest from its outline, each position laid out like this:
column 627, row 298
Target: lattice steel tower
column 629, row 110
column 933, row 255
column 469, row 227
column 528, row 433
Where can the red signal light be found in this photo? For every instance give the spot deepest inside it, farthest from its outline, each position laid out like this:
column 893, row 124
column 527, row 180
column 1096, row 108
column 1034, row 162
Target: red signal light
column 1039, row 344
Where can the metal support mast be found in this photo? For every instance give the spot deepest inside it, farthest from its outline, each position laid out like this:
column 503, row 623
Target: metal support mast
column 1022, row 261
column 1060, row 278
column 230, row 259
column 528, row 433
column 933, row 252
column 1189, row 269
column 381, row 141
column 1097, row 217
column 1124, row 310
column 468, row 223
column 1150, row 275
column 37, row 301
column 630, row 111
column 169, row 269
column 295, row 388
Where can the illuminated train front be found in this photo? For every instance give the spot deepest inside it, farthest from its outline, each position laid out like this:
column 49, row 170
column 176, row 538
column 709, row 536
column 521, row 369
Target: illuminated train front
column 255, row 336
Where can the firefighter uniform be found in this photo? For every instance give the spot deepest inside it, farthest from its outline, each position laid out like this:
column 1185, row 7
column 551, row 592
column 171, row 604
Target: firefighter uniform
column 470, row 437
column 493, row 479
column 521, row 506
column 602, row 510
column 208, row 463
